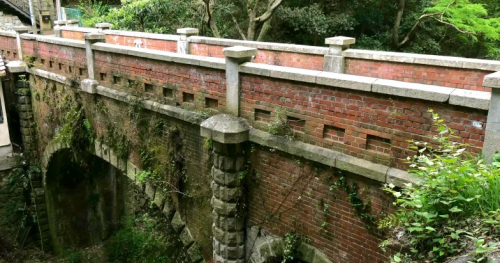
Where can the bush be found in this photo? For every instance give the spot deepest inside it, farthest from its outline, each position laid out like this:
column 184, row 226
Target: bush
column 452, row 210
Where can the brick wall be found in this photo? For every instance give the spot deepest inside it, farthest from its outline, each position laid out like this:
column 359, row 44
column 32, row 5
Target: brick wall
column 76, row 35
column 288, row 196
column 371, row 126
column 156, row 44
column 175, row 84
column 278, row 58
column 433, row 75
column 8, row 48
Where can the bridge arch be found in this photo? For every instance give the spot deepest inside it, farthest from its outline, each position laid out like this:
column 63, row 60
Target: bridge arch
column 127, row 170
column 266, row 248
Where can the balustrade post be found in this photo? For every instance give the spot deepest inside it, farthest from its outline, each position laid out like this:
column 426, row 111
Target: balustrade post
column 334, row 61
column 183, row 43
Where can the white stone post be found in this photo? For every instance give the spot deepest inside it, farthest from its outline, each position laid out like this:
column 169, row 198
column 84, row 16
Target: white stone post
column 89, row 85
column 57, row 27
column 20, row 30
column 334, row 60
column 234, row 57
column 492, row 134
column 103, row 26
column 183, row 43
column 73, row 23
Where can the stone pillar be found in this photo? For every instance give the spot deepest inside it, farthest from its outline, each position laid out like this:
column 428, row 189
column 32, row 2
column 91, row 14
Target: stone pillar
column 20, row 30
column 25, row 110
column 492, row 136
column 57, row 27
column 103, row 26
column 73, row 23
column 334, row 60
column 89, row 85
column 183, row 43
column 235, row 56
column 228, row 135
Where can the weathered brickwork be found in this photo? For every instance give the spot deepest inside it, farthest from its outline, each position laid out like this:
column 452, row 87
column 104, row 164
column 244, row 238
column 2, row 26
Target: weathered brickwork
column 8, row 48
column 286, row 196
column 76, row 35
column 375, row 127
column 156, row 44
column 278, row 58
column 174, row 84
column 433, row 75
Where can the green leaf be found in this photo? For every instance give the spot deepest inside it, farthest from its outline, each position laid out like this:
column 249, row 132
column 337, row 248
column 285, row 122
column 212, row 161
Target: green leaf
column 455, row 209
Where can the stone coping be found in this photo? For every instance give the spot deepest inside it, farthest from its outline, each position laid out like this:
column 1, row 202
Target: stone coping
column 209, row 62
column 142, row 35
column 7, row 33
column 492, row 80
column 459, row 97
column 55, row 40
column 431, row 60
column 49, row 75
column 377, row 172
column 260, row 45
column 123, row 33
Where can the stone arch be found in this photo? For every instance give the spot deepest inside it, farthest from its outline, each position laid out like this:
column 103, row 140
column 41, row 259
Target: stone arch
column 266, row 247
column 127, row 168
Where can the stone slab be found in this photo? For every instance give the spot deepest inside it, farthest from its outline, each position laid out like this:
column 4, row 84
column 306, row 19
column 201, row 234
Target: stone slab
column 239, row 52
column 296, row 74
column 399, row 177
column 412, row 90
column 340, row 41
column 187, row 31
column 471, row 98
column 225, row 128
column 492, row 80
column 345, row 81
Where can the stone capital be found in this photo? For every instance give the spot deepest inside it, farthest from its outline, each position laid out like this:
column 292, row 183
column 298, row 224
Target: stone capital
column 187, row 31
column 492, row 80
column 89, row 86
column 94, row 37
column 239, row 52
column 103, row 26
column 21, row 29
column 340, row 41
column 225, row 129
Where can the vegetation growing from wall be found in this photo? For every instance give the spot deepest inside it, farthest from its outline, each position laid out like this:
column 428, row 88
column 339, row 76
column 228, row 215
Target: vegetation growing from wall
column 454, row 209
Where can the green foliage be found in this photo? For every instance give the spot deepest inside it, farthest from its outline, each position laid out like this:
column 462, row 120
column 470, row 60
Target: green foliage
column 280, row 125
column 292, row 243
column 117, row 141
column 76, row 131
column 454, row 206
column 141, row 240
column 361, row 208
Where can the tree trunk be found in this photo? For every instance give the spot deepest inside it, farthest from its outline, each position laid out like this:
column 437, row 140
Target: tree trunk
column 397, row 23
column 265, row 29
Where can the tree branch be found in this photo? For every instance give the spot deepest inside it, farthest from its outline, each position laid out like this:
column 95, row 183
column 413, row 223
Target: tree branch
column 238, row 27
column 269, row 12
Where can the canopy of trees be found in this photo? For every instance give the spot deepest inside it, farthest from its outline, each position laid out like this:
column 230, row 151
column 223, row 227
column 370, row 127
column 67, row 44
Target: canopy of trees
column 468, row 28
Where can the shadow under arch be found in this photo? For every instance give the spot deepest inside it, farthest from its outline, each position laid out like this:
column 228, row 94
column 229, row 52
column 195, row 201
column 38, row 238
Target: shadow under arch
column 86, row 199
column 267, row 249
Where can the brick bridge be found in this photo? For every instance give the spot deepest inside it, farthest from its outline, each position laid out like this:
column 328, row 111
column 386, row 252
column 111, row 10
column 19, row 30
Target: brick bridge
column 264, row 129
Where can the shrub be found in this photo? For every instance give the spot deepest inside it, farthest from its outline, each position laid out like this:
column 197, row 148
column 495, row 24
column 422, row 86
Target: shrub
column 452, row 210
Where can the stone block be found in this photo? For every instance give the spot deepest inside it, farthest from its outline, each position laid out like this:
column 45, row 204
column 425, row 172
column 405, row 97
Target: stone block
column 150, row 190
column 471, row 98
column 227, row 194
column 188, row 31
column 159, row 198
column 340, row 41
column 226, row 178
column 225, row 128
column 239, row 52
column 89, row 86
column 228, row 238
column 168, row 208
column 492, row 80
column 345, row 81
column 194, row 253
column 224, row 208
column 359, row 166
column 296, row 74
column 320, row 258
column 399, row 177
column 177, row 222
column 306, row 252
column 412, row 90
column 233, row 223
column 186, row 237
column 229, row 252
column 257, row 69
